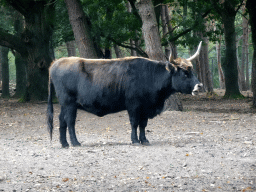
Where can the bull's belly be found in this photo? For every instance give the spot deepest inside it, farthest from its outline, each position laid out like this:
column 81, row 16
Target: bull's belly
column 101, row 110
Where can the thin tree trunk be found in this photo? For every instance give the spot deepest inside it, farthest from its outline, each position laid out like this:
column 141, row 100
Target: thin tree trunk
column 250, row 5
column 5, row 71
column 241, row 78
column 165, row 29
column 71, row 48
column 81, row 29
column 21, row 75
column 244, row 66
column 20, row 63
column 132, row 42
column 207, row 72
column 118, row 51
column 221, row 75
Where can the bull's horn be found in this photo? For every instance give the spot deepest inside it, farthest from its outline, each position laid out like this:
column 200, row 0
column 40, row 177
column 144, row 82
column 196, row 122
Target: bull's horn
column 197, row 52
column 171, row 56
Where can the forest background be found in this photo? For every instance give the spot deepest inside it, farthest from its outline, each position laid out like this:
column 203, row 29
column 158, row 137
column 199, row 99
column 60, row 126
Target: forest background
column 35, row 32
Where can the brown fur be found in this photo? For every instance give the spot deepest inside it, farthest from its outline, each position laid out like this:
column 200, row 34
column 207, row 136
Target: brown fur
column 182, row 63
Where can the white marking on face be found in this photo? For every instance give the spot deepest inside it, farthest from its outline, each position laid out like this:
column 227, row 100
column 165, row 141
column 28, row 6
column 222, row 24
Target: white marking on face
column 197, row 89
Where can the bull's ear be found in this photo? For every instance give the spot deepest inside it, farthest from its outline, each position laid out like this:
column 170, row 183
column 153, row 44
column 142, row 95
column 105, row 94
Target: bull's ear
column 170, row 67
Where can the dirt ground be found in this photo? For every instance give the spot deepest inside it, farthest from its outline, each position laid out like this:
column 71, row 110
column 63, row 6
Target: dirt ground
column 210, row 146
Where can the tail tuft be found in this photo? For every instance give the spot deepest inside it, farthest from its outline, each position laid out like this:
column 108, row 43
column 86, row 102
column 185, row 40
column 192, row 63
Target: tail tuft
column 50, row 109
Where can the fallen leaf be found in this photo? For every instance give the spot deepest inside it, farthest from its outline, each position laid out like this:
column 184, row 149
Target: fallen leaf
column 65, row 179
column 247, row 189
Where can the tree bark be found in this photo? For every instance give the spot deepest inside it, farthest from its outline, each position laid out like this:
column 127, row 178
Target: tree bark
column 230, row 63
column 20, row 63
column 71, row 48
column 173, row 47
column 221, row 75
column 150, row 30
column 165, row 28
column 5, row 71
column 39, row 23
column 118, row 51
column 250, row 5
column 81, row 29
column 207, row 72
column 21, row 75
column 244, row 66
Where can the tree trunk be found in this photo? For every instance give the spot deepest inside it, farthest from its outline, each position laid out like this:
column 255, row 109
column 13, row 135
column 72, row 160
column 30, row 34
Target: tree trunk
column 20, row 63
column 230, row 62
column 165, row 28
column 81, row 29
column 132, row 42
column 21, row 76
column 118, row 51
column 221, row 75
column 241, row 78
column 38, row 49
column 244, row 66
column 71, row 48
column 5, row 71
column 173, row 47
column 250, row 5
column 207, row 72
column 153, row 44
column 150, row 30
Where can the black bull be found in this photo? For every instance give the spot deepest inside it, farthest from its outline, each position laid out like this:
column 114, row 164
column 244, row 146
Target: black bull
column 138, row 85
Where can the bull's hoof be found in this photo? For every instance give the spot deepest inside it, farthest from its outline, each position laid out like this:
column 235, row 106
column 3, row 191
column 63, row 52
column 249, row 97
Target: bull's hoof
column 136, row 143
column 145, row 142
column 76, row 144
column 65, row 145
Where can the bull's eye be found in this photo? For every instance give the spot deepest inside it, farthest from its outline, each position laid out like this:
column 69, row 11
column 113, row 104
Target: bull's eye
column 186, row 74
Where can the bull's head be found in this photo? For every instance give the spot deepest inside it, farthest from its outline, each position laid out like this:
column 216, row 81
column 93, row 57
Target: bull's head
column 183, row 79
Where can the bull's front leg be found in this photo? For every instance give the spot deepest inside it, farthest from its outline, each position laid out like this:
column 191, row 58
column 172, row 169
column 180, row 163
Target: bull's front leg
column 134, row 125
column 70, row 117
column 143, row 123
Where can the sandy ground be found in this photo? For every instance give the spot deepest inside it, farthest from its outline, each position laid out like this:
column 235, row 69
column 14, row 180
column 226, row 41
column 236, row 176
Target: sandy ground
column 210, row 146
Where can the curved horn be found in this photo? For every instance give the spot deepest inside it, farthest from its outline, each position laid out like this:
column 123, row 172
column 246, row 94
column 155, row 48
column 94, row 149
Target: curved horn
column 171, row 56
column 197, row 52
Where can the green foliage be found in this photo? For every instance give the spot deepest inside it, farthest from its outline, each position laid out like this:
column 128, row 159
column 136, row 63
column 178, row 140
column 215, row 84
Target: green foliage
column 62, row 30
column 111, row 21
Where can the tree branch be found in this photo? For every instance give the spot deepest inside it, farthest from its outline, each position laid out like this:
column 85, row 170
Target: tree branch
column 134, row 10
column 12, row 41
column 138, row 49
column 189, row 29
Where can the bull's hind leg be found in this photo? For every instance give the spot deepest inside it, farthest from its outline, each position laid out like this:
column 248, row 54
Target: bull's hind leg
column 143, row 123
column 70, row 117
column 63, row 128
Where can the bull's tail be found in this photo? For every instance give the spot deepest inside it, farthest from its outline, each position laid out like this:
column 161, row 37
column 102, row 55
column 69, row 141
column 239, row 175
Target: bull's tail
column 50, row 108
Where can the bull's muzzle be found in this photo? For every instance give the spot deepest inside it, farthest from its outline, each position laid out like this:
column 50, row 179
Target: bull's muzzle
column 197, row 89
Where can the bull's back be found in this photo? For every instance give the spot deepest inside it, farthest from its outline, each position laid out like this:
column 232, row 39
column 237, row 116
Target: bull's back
column 96, row 86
